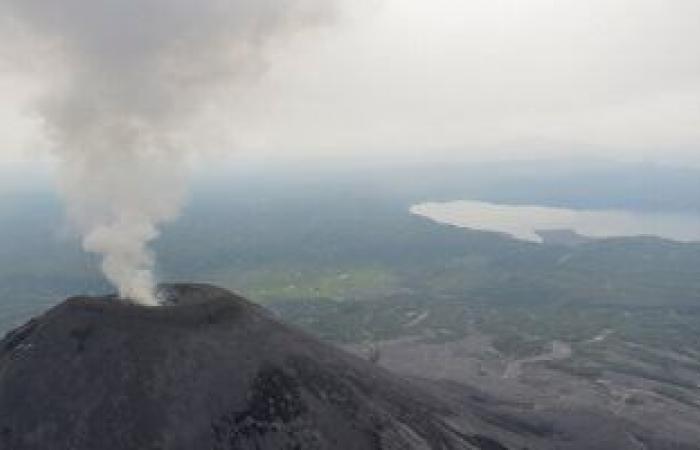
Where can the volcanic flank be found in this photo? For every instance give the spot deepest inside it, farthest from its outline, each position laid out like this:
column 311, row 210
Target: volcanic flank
column 208, row 370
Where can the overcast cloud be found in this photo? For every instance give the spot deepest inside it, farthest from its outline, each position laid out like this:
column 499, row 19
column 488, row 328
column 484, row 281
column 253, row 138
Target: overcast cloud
column 475, row 80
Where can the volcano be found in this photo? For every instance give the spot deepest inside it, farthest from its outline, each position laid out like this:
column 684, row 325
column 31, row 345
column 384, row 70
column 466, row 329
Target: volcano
column 207, row 370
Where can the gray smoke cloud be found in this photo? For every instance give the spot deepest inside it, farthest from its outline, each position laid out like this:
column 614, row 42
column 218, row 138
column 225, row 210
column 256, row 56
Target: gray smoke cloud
column 129, row 77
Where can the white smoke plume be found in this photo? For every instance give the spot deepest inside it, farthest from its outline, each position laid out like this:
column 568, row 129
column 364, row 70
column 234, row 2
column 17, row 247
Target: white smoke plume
column 129, row 77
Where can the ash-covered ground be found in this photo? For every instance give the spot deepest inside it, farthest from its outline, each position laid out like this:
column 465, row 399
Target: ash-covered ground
column 208, row 370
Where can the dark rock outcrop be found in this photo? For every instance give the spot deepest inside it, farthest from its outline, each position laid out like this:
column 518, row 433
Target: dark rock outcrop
column 209, row 370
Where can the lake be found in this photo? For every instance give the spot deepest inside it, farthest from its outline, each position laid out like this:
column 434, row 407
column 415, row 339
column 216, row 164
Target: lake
column 525, row 221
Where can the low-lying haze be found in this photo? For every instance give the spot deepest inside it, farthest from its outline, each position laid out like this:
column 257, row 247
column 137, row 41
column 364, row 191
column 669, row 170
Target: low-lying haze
column 123, row 94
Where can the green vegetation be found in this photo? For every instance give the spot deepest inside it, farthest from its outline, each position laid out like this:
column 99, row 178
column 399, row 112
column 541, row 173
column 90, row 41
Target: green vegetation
column 273, row 283
column 351, row 265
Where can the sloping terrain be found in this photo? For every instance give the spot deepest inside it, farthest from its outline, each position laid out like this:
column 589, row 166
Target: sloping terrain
column 209, row 370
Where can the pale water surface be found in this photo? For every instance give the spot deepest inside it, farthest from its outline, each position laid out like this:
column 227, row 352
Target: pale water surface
column 523, row 222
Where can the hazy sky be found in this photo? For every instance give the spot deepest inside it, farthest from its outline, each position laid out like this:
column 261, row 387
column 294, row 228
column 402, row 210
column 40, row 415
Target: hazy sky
column 477, row 80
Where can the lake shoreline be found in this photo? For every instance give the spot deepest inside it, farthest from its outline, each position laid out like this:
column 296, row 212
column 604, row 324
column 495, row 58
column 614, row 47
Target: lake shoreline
column 542, row 224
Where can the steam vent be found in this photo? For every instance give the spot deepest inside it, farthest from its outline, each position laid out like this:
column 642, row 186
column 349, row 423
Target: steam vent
column 209, row 370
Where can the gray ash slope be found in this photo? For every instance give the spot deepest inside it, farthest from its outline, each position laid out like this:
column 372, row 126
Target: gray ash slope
column 208, row 371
